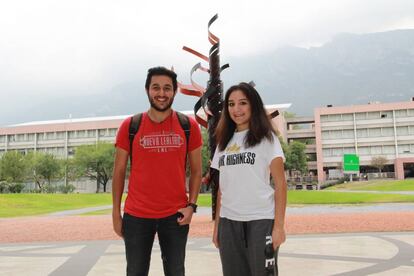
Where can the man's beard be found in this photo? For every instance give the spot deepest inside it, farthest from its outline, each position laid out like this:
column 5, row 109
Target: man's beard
column 160, row 109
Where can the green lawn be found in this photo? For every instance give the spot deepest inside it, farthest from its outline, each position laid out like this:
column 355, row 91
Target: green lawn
column 377, row 185
column 332, row 197
column 14, row 205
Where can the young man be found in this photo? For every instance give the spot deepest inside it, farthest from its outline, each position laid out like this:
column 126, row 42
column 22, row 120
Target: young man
column 157, row 201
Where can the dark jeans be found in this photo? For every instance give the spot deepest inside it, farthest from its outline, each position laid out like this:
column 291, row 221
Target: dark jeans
column 139, row 234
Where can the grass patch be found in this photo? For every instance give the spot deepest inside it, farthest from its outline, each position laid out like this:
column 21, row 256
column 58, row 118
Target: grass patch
column 15, row 205
column 332, row 197
column 376, row 185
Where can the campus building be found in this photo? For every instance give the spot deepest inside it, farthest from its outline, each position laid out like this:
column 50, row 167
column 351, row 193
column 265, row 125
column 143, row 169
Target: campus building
column 368, row 131
column 371, row 130
column 61, row 137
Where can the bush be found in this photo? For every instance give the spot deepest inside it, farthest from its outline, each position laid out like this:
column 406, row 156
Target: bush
column 4, row 187
column 16, row 188
column 49, row 189
column 66, row 189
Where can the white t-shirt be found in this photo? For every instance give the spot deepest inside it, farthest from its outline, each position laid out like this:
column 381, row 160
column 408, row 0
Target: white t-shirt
column 245, row 188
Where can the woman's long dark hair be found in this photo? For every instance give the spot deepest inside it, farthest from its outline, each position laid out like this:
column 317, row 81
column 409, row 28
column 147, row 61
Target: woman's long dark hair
column 259, row 125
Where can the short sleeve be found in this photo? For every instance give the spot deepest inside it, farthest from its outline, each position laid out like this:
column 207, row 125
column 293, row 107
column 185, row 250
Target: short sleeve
column 274, row 149
column 195, row 140
column 122, row 136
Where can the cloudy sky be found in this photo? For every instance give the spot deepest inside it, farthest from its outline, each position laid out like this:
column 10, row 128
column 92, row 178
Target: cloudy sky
column 77, row 47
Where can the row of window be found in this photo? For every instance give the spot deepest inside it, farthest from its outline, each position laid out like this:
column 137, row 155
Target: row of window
column 59, row 135
column 57, row 151
column 367, row 115
column 372, row 150
column 367, row 132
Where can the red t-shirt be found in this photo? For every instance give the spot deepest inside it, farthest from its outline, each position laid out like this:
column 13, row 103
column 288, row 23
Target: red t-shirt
column 156, row 186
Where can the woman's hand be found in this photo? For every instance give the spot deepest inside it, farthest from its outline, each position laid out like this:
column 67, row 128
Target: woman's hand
column 278, row 236
column 215, row 233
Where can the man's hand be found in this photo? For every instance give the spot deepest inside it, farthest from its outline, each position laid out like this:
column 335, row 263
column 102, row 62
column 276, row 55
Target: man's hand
column 278, row 236
column 187, row 215
column 117, row 224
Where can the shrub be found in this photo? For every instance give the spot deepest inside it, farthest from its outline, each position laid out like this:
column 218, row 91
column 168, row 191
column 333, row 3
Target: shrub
column 16, row 188
column 66, row 189
column 4, row 187
column 49, row 189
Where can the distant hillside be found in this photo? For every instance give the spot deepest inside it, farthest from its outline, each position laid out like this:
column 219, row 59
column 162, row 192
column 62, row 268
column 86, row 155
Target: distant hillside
column 351, row 69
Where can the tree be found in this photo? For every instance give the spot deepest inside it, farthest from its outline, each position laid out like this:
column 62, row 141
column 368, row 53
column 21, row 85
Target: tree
column 45, row 167
column 296, row 157
column 13, row 167
column 379, row 162
column 96, row 162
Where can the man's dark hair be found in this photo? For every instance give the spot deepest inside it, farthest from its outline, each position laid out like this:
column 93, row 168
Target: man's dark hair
column 260, row 126
column 161, row 71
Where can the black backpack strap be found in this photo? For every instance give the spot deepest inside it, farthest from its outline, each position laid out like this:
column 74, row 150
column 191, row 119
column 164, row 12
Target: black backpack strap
column 133, row 129
column 185, row 125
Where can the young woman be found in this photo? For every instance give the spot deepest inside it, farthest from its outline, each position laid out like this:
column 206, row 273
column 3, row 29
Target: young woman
column 250, row 226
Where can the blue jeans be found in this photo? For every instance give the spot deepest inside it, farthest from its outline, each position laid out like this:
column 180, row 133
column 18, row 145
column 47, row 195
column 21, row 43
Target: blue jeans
column 139, row 234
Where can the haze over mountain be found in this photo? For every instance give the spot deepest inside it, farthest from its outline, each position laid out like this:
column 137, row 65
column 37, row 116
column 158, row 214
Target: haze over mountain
column 351, row 69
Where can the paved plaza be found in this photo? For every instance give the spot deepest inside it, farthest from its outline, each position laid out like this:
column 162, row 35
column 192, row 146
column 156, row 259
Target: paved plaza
column 328, row 254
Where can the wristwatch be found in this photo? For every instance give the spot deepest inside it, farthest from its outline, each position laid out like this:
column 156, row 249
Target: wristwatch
column 194, row 206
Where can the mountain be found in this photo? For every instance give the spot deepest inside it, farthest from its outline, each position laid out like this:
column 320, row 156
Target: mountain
column 351, row 69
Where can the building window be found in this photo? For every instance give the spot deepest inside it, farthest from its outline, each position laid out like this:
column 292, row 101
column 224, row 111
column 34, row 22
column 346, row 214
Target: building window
column 81, row 134
column 40, row 136
column 347, row 117
column 364, row 150
column 337, row 152
column 112, row 132
column 2, row 138
column 402, row 130
column 327, row 152
column 50, row 136
column 103, row 132
column 334, row 117
column 376, row 150
column 361, row 116
column 361, row 133
column 374, row 115
column 401, row 113
column 374, row 132
column 349, row 150
column 387, row 131
column 72, row 134
column 410, row 112
column 91, row 133
column 324, row 118
column 403, row 148
column 388, row 149
column 60, row 135
column 347, row 133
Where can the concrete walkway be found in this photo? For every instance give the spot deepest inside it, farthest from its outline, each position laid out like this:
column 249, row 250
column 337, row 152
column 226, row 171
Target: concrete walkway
column 333, row 254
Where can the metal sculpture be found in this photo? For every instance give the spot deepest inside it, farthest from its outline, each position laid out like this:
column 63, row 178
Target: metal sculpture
column 211, row 99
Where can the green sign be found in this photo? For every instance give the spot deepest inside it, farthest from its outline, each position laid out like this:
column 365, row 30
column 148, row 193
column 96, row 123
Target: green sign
column 351, row 163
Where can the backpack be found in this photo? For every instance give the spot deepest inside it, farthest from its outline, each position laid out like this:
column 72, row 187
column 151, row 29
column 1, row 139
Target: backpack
column 136, row 122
